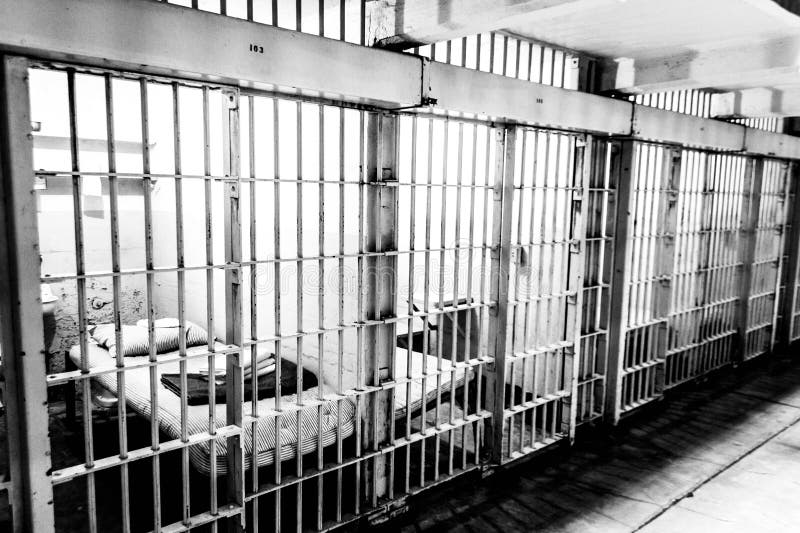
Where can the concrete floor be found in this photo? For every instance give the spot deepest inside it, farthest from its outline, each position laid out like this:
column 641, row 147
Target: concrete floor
column 721, row 456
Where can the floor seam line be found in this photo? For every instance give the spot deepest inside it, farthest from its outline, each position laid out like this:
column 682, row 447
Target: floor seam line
column 762, row 398
column 683, row 496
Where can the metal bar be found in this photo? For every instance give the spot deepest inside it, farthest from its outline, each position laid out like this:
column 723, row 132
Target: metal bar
column 179, row 260
column 362, row 310
column 234, row 382
column 277, row 293
column 751, row 207
column 623, row 161
column 793, row 266
column 410, row 294
column 785, row 175
column 147, row 189
column 210, row 304
column 440, row 304
column 665, row 257
column 505, row 145
column 340, row 290
column 21, row 313
column 77, row 194
column 582, row 174
column 113, row 186
column 321, row 293
column 251, row 157
column 380, row 282
column 300, row 301
column 426, row 296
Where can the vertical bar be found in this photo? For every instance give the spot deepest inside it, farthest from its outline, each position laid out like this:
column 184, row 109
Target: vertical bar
column 361, row 331
column 277, row 298
column 410, row 297
column 440, row 305
column 426, row 298
column 210, row 327
column 751, row 205
column 251, row 157
column 113, row 193
column 179, row 256
column 233, row 302
column 77, row 194
column 665, row 255
column 581, row 181
column 785, row 176
column 147, row 189
column 793, row 266
column 320, row 299
column 21, row 311
column 300, row 299
column 505, row 140
column 381, row 236
column 340, row 339
column 623, row 160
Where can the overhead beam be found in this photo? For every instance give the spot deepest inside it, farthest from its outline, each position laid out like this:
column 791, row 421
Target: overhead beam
column 402, row 24
column 172, row 40
column 757, row 102
column 504, row 99
column 770, row 63
column 211, row 47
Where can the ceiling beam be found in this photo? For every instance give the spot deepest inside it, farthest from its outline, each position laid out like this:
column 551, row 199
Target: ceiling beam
column 214, row 48
column 768, row 63
column 757, row 102
column 401, row 24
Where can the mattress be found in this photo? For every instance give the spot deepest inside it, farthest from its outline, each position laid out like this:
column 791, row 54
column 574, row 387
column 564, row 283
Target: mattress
column 318, row 421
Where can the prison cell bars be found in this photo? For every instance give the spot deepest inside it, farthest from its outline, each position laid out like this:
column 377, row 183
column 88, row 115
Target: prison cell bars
column 151, row 271
column 375, row 456
column 582, row 172
column 511, row 56
column 790, row 324
column 697, row 102
column 600, row 228
column 455, row 136
column 156, row 449
column 545, row 390
column 781, row 226
column 690, row 102
column 773, row 124
column 765, row 210
column 644, row 254
column 704, row 300
column 763, row 306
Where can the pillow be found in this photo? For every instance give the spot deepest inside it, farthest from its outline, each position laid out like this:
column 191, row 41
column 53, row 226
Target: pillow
column 135, row 339
column 195, row 335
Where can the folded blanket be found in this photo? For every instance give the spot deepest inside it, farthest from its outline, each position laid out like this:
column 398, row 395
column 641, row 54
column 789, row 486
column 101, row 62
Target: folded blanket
column 135, row 339
column 197, row 384
column 265, row 363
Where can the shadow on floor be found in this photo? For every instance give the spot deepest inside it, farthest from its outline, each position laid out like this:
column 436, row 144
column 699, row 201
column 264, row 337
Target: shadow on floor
column 619, row 480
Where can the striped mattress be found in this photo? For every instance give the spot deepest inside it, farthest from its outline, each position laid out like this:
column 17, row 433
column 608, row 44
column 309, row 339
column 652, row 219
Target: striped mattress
column 318, row 421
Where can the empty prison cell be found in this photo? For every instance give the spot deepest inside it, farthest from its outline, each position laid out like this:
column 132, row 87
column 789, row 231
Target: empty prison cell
column 269, row 267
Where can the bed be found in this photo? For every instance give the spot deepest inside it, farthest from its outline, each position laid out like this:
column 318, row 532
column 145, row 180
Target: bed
column 319, row 420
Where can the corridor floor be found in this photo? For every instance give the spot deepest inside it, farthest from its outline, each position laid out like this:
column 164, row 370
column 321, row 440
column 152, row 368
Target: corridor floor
column 719, row 456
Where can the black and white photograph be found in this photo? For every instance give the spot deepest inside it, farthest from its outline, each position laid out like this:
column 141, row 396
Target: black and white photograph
column 405, row 266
